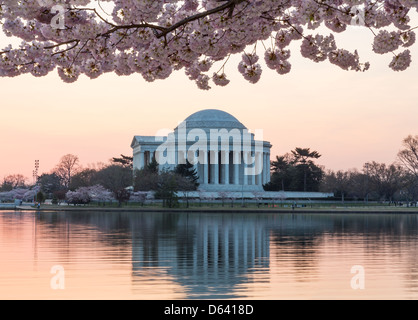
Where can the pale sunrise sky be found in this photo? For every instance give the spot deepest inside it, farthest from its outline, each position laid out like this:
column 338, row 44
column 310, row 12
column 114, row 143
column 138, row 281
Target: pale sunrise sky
column 348, row 117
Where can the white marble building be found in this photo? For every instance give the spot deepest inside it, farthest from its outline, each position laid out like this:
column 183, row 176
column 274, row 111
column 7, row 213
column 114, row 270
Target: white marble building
column 225, row 154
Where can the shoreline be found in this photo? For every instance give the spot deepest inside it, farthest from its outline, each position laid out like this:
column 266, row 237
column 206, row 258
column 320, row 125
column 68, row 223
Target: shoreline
column 338, row 210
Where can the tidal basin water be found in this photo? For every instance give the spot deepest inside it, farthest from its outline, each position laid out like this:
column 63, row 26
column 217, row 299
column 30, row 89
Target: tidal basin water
column 115, row 255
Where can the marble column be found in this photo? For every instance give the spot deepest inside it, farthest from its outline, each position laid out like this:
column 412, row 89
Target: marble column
column 225, row 166
column 244, row 165
column 259, row 168
column 264, row 168
column 205, row 168
column 236, row 164
column 268, row 167
column 215, row 167
column 253, row 169
column 141, row 160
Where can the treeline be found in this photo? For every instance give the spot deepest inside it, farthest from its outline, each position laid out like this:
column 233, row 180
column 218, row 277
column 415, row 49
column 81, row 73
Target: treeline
column 376, row 182
column 297, row 171
column 69, row 182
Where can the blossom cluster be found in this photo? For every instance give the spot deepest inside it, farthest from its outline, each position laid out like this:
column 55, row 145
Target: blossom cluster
column 19, row 194
column 84, row 195
column 156, row 37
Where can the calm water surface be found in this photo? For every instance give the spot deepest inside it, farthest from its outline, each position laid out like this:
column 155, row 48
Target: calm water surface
column 207, row 256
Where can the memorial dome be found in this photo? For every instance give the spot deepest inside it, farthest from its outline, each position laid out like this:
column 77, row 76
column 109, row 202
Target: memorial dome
column 212, row 119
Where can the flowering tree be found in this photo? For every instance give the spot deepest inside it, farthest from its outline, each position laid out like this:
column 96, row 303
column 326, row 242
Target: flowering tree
column 156, row 37
column 79, row 196
column 19, row 194
column 100, row 194
column 84, row 195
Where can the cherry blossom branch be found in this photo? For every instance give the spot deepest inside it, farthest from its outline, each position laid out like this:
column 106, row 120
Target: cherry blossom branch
column 65, row 50
column 229, row 5
column 164, row 30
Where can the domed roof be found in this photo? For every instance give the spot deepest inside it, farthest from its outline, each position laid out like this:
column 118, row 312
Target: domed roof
column 213, row 119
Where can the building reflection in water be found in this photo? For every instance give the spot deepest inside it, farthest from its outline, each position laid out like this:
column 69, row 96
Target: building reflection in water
column 208, row 256
column 218, row 256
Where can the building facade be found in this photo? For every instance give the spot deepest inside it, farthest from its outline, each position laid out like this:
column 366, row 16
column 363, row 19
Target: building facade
column 226, row 156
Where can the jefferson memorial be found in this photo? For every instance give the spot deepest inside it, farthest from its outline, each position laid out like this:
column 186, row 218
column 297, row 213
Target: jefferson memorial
column 225, row 154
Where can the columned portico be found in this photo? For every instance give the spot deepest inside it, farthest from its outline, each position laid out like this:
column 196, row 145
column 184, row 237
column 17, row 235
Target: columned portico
column 225, row 154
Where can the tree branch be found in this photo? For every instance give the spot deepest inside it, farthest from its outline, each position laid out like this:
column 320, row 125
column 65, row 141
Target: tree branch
column 230, row 4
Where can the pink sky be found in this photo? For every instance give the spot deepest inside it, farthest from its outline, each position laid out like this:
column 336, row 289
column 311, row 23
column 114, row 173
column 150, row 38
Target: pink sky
column 349, row 117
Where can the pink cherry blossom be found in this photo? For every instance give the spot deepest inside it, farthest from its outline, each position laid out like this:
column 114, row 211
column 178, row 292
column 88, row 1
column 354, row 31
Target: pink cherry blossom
column 156, row 37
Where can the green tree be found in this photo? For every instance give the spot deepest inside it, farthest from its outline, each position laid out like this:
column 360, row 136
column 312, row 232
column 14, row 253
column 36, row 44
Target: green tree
column 146, row 179
column 83, row 178
column 295, row 171
column 125, row 161
column 302, row 157
column 13, row 181
column 188, row 171
column 167, row 189
column 281, row 175
column 337, row 182
column 152, row 166
column 385, row 180
column 115, row 178
column 50, row 183
column 40, row 197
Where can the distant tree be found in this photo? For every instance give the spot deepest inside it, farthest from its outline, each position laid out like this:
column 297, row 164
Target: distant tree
column 232, row 197
column 30, row 194
column 223, row 195
column 302, row 159
column 125, row 161
column 116, row 178
column 337, row 182
column 281, row 175
column 385, row 180
column 186, row 185
column 258, row 197
column 152, row 166
column 295, row 171
column 188, row 171
column 84, row 178
column 359, row 185
column 146, row 179
column 408, row 156
column 58, row 196
column 13, row 181
column 410, row 188
column 100, row 194
column 79, row 196
column 66, row 169
column 122, row 195
column 40, row 197
column 19, row 194
column 50, row 183
column 167, row 189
